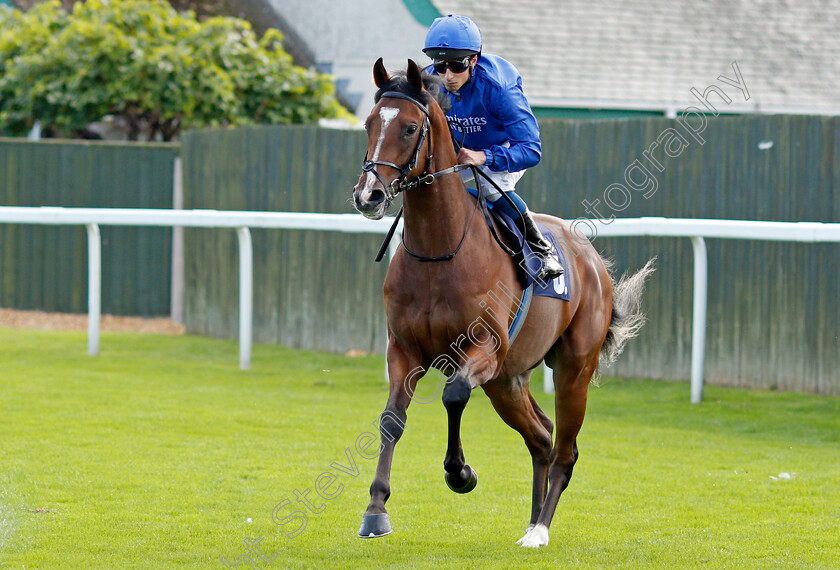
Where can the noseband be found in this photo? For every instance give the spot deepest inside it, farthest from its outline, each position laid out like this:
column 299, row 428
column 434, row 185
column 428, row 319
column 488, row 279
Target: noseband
column 401, row 184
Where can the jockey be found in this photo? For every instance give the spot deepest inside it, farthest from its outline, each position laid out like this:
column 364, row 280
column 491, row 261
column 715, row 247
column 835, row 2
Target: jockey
column 494, row 122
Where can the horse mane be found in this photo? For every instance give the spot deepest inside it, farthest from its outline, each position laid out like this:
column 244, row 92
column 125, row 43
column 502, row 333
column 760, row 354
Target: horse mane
column 432, row 84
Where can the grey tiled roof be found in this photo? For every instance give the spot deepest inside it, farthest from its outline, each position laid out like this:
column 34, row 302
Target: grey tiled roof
column 652, row 52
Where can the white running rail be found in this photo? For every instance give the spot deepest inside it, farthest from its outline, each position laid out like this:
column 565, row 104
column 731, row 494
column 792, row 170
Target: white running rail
column 92, row 218
column 696, row 230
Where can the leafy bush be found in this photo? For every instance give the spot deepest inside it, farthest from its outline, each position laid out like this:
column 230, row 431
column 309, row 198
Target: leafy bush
column 146, row 63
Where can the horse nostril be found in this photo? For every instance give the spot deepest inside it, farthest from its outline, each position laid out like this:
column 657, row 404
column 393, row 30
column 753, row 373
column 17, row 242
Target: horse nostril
column 377, row 196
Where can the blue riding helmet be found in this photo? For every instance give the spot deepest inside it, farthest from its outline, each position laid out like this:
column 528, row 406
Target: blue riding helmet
column 452, row 37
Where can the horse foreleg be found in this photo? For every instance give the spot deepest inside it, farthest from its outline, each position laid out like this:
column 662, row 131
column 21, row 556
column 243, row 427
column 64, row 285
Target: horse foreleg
column 403, row 381
column 479, row 366
column 460, row 477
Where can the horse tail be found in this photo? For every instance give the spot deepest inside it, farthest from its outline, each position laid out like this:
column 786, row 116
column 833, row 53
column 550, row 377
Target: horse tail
column 627, row 315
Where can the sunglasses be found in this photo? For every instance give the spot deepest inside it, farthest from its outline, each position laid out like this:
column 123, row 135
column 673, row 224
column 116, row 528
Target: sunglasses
column 457, row 65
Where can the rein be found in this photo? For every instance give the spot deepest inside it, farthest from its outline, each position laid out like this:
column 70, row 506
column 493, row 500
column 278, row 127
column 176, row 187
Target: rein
column 448, row 256
column 400, row 184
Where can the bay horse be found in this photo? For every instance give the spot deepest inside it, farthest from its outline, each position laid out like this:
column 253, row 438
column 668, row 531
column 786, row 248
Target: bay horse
column 445, row 312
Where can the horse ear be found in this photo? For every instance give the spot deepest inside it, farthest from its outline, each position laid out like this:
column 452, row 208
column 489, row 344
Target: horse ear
column 380, row 74
column 412, row 73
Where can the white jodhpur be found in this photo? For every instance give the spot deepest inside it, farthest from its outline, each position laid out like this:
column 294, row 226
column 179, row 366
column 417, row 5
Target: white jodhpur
column 535, row 537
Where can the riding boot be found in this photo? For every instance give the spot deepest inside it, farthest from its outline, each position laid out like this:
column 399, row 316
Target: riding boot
column 542, row 248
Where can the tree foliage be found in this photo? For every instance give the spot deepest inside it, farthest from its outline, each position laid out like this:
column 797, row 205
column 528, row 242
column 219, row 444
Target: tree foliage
column 143, row 61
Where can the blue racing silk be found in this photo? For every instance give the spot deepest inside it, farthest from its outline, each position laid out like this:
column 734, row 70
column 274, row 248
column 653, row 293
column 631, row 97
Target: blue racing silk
column 494, row 116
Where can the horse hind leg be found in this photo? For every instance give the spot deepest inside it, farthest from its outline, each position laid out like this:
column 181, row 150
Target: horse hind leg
column 515, row 404
column 572, row 384
column 543, row 465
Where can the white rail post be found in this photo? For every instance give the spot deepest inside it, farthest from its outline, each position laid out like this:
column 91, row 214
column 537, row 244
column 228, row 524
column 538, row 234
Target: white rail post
column 178, row 279
column 548, row 379
column 94, row 287
column 698, row 332
column 246, row 296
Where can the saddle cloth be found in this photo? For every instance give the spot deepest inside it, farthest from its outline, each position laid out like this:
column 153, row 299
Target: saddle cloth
column 529, row 265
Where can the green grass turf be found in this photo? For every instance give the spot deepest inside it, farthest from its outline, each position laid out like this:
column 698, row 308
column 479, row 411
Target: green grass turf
column 157, row 452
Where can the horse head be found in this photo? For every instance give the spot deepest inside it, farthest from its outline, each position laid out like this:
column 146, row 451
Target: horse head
column 399, row 149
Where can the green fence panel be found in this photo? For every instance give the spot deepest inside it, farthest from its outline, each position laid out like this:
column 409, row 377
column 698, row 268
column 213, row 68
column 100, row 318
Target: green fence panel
column 774, row 314
column 311, row 289
column 45, row 267
column 774, row 308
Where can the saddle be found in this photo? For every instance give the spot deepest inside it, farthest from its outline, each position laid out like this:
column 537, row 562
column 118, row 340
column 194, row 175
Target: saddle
column 509, row 237
column 527, row 263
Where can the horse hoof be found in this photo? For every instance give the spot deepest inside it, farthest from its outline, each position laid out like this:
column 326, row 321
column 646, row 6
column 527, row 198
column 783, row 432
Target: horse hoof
column 535, row 537
column 374, row 526
column 469, row 486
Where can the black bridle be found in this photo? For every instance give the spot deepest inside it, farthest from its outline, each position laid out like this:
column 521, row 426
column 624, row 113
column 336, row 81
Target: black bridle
column 401, row 184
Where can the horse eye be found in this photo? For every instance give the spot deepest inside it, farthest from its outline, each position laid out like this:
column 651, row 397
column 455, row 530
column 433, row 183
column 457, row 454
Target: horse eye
column 411, row 129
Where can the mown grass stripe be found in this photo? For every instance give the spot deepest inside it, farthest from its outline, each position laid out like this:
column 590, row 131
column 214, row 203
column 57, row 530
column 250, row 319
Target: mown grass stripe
column 159, row 451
